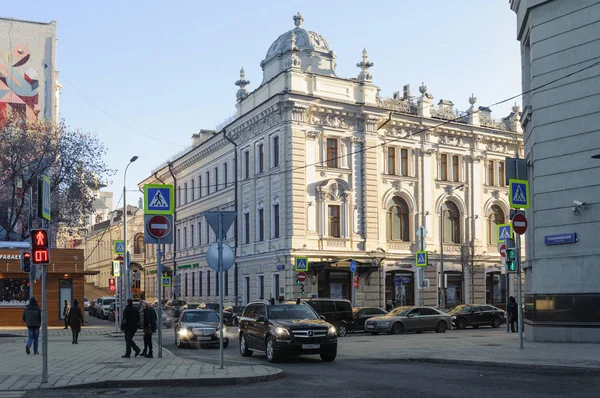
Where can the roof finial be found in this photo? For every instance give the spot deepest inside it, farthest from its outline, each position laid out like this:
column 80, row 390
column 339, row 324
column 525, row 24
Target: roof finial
column 298, row 19
column 423, row 88
column 516, row 108
column 242, row 83
column 472, row 99
column 295, row 60
column 365, row 64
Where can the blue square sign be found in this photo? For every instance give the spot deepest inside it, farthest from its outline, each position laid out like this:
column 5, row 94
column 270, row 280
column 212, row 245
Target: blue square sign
column 159, row 199
column 519, row 194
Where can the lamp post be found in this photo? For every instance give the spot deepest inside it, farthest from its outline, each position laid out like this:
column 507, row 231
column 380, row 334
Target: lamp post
column 126, row 285
column 442, row 276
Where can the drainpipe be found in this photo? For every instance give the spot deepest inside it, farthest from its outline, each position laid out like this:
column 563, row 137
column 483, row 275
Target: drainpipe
column 170, row 164
column 235, row 222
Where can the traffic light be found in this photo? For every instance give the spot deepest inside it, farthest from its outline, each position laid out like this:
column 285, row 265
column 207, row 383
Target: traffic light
column 302, row 289
column 25, row 261
column 356, row 283
column 111, row 284
column 297, row 282
column 511, row 260
column 39, row 246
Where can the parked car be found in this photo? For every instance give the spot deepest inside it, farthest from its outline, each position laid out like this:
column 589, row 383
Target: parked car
column 410, row 319
column 360, row 316
column 476, row 315
column 210, row 306
column 191, row 306
column 92, row 308
column 231, row 315
column 199, row 327
column 167, row 322
column 86, row 304
column 337, row 312
column 113, row 311
column 155, row 303
column 103, row 305
column 288, row 328
column 174, row 307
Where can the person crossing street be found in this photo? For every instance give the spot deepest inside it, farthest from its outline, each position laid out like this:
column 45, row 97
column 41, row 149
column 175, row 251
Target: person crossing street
column 131, row 319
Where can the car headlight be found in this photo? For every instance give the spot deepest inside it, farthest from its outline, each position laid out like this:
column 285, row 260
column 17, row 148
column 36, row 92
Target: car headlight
column 282, row 332
column 383, row 323
column 332, row 331
column 453, row 317
column 184, row 331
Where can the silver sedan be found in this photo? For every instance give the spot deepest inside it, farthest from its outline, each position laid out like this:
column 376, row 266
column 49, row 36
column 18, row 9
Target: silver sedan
column 410, row 319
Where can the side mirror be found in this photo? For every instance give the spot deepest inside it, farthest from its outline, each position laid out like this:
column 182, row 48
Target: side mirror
column 261, row 318
column 411, row 315
column 322, row 317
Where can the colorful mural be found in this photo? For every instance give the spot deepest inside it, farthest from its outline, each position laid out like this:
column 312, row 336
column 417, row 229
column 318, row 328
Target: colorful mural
column 19, row 83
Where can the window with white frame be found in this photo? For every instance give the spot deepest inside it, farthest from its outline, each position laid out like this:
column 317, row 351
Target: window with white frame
column 179, row 236
column 397, row 161
column 449, row 167
column 208, row 182
column 246, row 228
column 178, row 196
column 275, row 286
column 193, row 190
column 185, row 243
column 185, row 193
column 216, row 179
column 261, row 224
column 275, row 221
column 207, row 232
column 274, row 150
column 260, row 286
column 208, row 282
column 495, row 173
column 246, row 164
column 332, row 152
column 260, row 158
column 192, row 242
column 199, row 234
column 225, row 174
column 199, row 187
column 334, row 221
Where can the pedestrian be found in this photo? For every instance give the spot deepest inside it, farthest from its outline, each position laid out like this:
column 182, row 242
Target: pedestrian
column 150, row 326
column 76, row 320
column 513, row 313
column 129, row 324
column 66, row 313
column 32, row 316
column 389, row 306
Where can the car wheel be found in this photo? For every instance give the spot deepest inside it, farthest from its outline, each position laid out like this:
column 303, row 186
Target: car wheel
column 397, row 328
column 225, row 343
column 475, row 326
column 328, row 356
column 462, row 323
column 244, row 346
column 342, row 330
column 441, row 327
column 272, row 353
column 496, row 323
column 374, row 333
column 178, row 341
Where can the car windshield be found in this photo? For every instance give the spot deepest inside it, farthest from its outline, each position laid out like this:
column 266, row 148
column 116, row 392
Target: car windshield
column 291, row 311
column 460, row 309
column 399, row 311
column 193, row 306
column 177, row 303
column 108, row 301
column 198, row 317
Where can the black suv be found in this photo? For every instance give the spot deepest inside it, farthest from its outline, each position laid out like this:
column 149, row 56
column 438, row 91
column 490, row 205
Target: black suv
column 335, row 311
column 286, row 328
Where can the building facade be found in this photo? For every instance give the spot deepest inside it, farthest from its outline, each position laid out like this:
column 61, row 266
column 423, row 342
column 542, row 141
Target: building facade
column 328, row 170
column 559, row 47
column 28, row 75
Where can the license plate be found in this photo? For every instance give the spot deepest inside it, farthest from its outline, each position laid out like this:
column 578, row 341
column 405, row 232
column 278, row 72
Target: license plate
column 311, row 346
column 370, row 326
column 204, row 338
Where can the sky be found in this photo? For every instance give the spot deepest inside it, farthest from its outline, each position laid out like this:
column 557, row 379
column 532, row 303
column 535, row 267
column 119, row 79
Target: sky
column 145, row 75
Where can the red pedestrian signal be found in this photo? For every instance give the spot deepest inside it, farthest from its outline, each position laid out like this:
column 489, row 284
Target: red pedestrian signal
column 356, row 284
column 40, row 246
column 111, row 284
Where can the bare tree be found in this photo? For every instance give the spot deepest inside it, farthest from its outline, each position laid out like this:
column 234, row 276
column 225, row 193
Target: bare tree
column 473, row 263
column 73, row 161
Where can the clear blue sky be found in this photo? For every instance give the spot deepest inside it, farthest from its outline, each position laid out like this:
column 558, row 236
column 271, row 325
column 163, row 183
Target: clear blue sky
column 166, row 68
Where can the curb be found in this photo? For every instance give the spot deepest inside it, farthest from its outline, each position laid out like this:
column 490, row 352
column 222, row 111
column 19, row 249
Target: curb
column 214, row 381
column 523, row 366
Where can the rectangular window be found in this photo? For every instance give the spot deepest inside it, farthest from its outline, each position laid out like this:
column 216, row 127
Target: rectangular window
column 185, row 284
column 247, row 288
column 207, row 232
column 192, row 242
column 178, row 196
column 490, row 172
column 261, row 225
column 275, row 221
column 199, row 186
column 199, row 234
column 391, row 160
column 179, row 237
column 444, row 167
column 275, row 144
column 14, row 292
column 185, row 193
column 455, row 168
column 200, row 283
column 225, row 175
column 275, row 291
column 246, row 228
column 193, row 284
column 404, row 162
column 501, row 176
column 185, row 237
column 217, row 283
column 261, row 159
column 193, row 190
column 208, row 283
column 208, row 182
column 216, row 179
column 261, row 287
column 332, row 152
column 226, row 287
column 246, row 165
column 334, row 221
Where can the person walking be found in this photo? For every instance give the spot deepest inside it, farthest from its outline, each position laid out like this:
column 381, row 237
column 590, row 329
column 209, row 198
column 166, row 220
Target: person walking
column 513, row 313
column 76, row 320
column 150, row 326
column 129, row 324
column 32, row 316
column 66, row 313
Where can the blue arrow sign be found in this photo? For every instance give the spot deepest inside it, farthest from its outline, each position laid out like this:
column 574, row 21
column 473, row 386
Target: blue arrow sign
column 352, row 266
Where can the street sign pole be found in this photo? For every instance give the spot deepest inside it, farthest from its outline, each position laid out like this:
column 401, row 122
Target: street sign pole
column 221, row 288
column 118, row 316
column 44, row 326
column 159, row 271
column 519, row 301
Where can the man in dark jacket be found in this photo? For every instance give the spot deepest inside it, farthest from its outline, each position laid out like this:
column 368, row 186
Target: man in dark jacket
column 149, row 328
column 32, row 316
column 131, row 319
column 513, row 313
column 66, row 313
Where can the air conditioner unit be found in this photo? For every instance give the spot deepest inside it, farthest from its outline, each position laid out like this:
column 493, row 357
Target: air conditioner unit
column 425, row 283
column 406, row 91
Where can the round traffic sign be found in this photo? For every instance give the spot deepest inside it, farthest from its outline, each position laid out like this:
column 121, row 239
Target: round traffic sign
column 502, row 250
column 519, row 223
column 158, row 227
column 301, row 276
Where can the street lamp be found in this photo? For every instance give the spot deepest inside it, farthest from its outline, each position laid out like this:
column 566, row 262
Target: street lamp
column 442, row 276
column 126, row 285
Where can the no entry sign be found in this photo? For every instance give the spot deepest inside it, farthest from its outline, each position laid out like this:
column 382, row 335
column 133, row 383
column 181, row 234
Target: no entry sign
column 302, row 276
column 158, row 227
column 519, row 223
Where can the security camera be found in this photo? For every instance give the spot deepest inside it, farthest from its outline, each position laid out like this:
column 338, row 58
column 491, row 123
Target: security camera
column 578, row 203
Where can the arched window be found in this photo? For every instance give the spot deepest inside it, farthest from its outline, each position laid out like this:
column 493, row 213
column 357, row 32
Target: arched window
column 397, row 220
column 495, row 217
column 138, row 248
column 451, row 218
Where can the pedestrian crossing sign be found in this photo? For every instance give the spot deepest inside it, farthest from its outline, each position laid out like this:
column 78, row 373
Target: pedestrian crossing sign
column 166, row 281
column 504, row 232
column 421, row 259
column 118, row 247
column 519, row 194
column 159, row 199
column 301, row 264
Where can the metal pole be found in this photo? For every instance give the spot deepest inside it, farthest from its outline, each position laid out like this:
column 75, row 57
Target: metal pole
column 353, row 296
column 125, row 264
column 519, row 301
column 507, row 294
column 44, row 327
column 118, row 308
column 221, row 288
column 421, row 271
column 30, row 224
column 442, row 276
column 159, row 271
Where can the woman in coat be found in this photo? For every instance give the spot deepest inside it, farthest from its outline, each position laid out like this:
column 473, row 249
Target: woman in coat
column 76, row 320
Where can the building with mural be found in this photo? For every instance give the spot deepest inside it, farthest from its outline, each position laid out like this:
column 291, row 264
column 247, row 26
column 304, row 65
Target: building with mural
column 28, row 75
column 322, row 167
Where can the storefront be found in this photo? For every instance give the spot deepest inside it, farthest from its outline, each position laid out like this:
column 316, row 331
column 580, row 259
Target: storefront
column 334, row 280
column 65, row 281
column 400, row 285
column 495, row 288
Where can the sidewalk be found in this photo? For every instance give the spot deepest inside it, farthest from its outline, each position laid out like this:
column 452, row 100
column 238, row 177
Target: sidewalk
column 96, row 362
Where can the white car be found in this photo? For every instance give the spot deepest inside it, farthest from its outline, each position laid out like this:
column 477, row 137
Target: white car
column 103, row 306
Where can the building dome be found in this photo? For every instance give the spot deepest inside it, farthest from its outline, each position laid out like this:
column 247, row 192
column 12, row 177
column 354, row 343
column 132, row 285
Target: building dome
column 309, row 48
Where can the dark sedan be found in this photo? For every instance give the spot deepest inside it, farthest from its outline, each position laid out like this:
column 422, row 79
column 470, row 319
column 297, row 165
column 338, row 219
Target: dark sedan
column 199, row 327
column 476, row 315
column 360, row 316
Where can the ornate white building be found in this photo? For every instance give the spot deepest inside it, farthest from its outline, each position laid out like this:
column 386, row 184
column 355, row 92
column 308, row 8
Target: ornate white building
column 327, row 169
